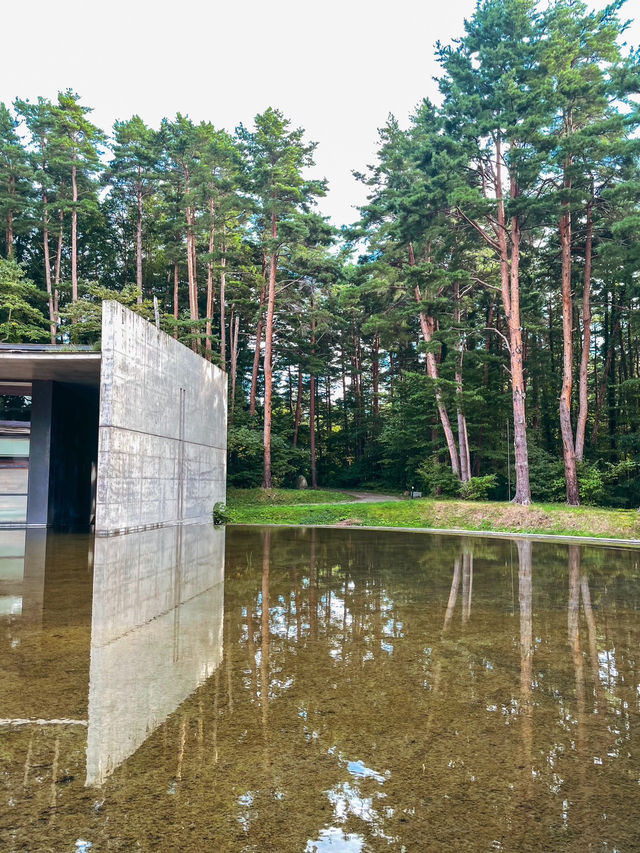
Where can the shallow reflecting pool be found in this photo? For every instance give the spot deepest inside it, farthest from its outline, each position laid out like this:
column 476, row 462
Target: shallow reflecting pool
column 317, row 690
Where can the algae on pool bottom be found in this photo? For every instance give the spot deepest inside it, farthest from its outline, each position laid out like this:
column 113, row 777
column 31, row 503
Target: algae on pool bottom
column 341, row 690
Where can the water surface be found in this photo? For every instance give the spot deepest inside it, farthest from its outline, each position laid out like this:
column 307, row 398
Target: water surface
column 317, row 690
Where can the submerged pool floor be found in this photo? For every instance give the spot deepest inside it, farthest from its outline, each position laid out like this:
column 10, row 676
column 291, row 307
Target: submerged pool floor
column 266, row 689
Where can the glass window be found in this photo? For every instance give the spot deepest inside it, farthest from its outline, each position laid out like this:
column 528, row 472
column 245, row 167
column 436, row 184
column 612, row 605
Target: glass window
column 15, row 428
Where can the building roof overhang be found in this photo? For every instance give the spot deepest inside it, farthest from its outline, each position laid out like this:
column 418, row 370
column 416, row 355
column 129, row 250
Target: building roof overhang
column 19, row 369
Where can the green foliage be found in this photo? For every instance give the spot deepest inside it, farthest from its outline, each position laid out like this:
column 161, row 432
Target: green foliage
column 15, row 182
column 21, row 318
column 413, row 329
column 545, row 470
column 478, row 488
column 86, row 313
column 245, row 450
column 220, row 514
column 622, row 483
column 590, row 484
column 438, row 479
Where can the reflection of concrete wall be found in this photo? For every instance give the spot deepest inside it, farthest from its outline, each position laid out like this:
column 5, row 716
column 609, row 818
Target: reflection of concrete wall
column 156, row 633
column 163, row 422
column 22, row 570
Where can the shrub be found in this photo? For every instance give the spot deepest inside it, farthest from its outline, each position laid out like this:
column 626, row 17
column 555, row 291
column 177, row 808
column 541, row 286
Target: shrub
column 220, row 514
column 590, row 485
column 622, row 483
column 478, row 488
column 546, row 475
column 438, row 480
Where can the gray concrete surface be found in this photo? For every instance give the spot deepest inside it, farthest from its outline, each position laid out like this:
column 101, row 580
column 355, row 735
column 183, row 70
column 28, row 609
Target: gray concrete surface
column 163, row 428
column 78, row 367
column 156, row 633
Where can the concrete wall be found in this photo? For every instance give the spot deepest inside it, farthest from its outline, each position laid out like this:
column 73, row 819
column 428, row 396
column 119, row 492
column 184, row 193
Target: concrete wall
column 163, row 428
column 156, row 633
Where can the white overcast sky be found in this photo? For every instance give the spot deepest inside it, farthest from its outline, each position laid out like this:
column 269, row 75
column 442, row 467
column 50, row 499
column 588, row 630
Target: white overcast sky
column 335, row 67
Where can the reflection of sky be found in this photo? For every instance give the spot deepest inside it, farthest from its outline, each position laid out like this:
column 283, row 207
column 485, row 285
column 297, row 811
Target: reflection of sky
column 349, row 802
column 335, row 839
column 357, row 768
column 608, row 670
column 10, row 605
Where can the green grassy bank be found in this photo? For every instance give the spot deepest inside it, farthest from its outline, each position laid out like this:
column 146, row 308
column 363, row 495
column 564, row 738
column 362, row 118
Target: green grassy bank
column 260, row 498
column 551, row 519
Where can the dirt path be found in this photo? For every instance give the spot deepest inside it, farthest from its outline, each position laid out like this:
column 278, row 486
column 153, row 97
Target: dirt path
column 358, row 498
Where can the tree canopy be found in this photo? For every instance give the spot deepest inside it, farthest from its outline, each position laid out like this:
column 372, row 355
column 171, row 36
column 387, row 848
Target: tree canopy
column 474, row 332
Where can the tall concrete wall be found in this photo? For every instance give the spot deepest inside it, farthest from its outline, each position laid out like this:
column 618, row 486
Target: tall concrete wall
column 162, row 431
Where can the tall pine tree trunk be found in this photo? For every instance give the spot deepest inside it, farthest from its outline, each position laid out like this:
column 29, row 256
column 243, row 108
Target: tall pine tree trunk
column 521, row 452
column 234, row 332
column 268, row 358
column 427, row 326
column 463, row 439
column 74, row 232
column 175, row 298
column 9, row 235
column 586, row 335
column 256, row 355
column 298, row 414
column 510, row 288
column 223, row 284
column 312, row 430
column 192, row 272
column 312, row 402
column 47, row 266
column 356, row 384
column 345, row 413
column 58, row 269
column 375, row 374
column 568, row 447
column 209, row 321
column 139, row 239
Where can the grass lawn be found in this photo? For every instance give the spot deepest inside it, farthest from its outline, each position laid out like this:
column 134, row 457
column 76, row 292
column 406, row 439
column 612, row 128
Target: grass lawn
column 260, row 498
column 552, row 519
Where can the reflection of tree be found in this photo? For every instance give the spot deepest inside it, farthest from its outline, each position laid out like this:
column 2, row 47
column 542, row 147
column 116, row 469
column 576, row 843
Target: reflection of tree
column 573, row 622
column 591, row 632
column 265, row 642
column 453, row 594
column 377, row 668
column 525, row 600
column 467, row 582
column 313, row 603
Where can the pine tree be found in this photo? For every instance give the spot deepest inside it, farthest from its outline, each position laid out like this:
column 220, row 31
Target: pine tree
column 15, row 181
column 583, row 63
column 20, row 316
column 277, row 156
column 41, row 121
column 77, row 149
column 494, row 110
column 133, row 175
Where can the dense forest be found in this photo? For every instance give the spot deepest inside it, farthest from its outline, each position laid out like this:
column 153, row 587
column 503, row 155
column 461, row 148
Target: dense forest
column 475, row 333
